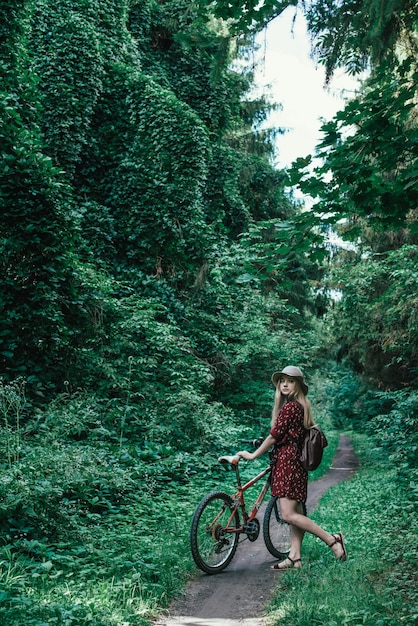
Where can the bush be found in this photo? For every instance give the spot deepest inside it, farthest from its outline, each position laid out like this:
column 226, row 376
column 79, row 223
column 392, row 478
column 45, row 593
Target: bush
column 396, row 432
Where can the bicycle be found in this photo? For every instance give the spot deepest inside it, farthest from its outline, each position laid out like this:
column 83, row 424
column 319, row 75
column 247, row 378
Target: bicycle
column 219, row 520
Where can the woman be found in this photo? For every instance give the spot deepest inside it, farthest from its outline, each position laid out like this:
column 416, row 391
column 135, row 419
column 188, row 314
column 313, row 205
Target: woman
column 290, row 419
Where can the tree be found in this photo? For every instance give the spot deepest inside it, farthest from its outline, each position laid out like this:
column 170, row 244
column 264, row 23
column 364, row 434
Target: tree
column 39, row 291
column 349, row 34
column 353, row 34
column 376, row 320
column 369, row 157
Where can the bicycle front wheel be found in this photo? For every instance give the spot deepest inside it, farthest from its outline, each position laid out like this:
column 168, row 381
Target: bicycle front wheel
column 213, row 545
column 276, row 532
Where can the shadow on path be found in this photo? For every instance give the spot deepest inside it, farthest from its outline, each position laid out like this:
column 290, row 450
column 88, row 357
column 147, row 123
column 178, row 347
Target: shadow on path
column 238, row 595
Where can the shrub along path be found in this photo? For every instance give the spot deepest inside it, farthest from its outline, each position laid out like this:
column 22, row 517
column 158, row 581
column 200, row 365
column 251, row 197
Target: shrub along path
column 237, row 596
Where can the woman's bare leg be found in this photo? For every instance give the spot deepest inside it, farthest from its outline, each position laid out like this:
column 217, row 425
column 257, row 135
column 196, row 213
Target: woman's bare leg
column 296, row 538
column 291, row 513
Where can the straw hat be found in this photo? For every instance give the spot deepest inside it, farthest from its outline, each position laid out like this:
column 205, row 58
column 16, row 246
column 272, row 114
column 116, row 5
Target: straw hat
column 292, row 372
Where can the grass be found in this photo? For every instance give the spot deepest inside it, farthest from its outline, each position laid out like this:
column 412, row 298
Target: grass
column 377, row 585
column 95, row 535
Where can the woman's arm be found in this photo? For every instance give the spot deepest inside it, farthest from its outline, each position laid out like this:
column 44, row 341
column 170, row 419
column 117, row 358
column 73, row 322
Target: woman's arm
column 250, row 456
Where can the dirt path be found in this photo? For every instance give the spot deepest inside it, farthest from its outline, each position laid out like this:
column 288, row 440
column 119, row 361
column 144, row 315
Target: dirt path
column 237, row 596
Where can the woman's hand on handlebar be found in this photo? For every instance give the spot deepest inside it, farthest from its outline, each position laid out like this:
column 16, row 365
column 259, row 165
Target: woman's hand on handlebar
column 244, row 454
column 262, row 448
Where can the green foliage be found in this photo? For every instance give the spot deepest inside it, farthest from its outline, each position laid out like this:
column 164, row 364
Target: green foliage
column 227, row 212
column 81, row 521
column 369, row 167
column 154, row 274
column 388, row 417
column 352, row 34
column 248, row 14
column 76, row 501
column 75, row 505
column 377, row 583
column 69, row 64
column 346, row 392
column 262, row 189
column 12, row 407
column 285, row 257
column 347, row 34
column 38, row 286
column 396, row 432
column 157, row 192
column 149, row 179
column 382, row 342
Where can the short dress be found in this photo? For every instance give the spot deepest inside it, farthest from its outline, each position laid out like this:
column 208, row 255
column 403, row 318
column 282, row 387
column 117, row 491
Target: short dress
column 289, row 477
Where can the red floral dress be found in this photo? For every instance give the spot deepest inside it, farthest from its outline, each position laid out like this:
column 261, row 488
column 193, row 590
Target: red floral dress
column 289, row 478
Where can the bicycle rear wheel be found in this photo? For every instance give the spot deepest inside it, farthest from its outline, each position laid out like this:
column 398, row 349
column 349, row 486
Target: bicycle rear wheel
column 276, row 532
column 212, row 546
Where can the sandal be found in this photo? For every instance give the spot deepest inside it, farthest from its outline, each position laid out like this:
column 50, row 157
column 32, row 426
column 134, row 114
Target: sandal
column 285, row 565
column 339, row 539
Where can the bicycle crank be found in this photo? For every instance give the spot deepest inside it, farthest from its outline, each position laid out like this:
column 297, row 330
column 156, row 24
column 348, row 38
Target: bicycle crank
column 252, row 529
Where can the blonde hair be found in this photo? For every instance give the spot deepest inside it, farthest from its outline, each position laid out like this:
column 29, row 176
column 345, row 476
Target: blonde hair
column 298, row 396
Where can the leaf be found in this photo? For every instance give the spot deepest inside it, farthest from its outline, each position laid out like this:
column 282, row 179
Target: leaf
column 246, row 278
column 47, row 565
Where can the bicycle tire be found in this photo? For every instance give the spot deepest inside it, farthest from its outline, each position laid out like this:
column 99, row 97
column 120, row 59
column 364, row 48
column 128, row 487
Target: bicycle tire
column 276, row 532
column 213, row 549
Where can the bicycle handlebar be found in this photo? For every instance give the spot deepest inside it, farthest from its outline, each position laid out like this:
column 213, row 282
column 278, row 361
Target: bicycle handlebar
column 253, row 442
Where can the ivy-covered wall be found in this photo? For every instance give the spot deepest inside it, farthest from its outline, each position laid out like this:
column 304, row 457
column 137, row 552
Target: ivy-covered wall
column 136, row 170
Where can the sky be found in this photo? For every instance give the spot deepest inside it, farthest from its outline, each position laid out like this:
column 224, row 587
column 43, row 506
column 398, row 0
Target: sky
column 284, row 62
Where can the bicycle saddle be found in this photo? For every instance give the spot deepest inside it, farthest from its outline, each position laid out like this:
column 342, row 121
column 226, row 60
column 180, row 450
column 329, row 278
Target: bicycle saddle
column 231, row 460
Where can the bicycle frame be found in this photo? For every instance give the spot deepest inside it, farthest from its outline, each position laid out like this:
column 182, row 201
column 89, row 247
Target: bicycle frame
column 239, row 498
column 219, row 520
